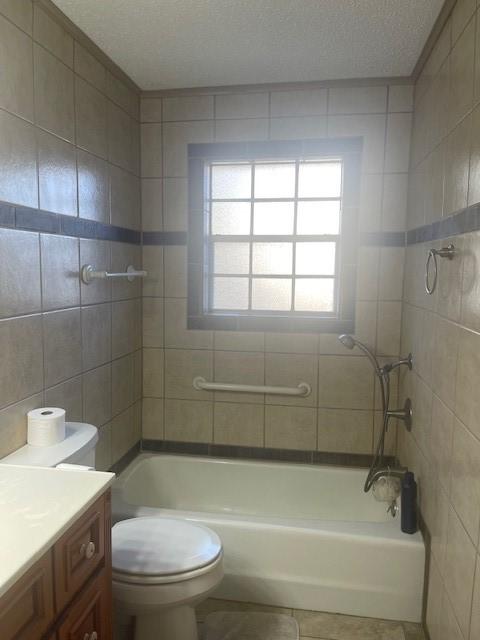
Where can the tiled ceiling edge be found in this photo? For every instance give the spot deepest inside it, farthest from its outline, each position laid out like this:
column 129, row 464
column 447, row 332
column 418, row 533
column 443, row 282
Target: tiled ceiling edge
column 276, row 86
column 85, row 41
column 443, row 16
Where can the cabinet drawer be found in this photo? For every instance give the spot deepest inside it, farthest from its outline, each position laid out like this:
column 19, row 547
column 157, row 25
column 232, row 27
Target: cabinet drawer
column 27, row 609
column 89, row 616
column 78, row 553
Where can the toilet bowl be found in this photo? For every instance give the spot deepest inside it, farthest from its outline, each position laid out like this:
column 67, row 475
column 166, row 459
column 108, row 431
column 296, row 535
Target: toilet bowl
column 163, row 568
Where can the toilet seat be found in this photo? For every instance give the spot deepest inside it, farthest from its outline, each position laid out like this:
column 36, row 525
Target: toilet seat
column 152, row 550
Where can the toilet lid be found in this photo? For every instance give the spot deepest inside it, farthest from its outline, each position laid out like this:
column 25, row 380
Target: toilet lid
column 162, row 546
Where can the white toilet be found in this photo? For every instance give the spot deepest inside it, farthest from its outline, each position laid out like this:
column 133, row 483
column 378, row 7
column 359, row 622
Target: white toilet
column 163, row 568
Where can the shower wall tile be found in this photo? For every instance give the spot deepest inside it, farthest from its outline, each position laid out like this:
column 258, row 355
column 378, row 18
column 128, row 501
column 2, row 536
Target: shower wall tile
column 97, row 395
column 22, row 355
column 186, row 108
column 241, row 130
column 60, row 267
column 96, row 335
column 88, row 67
column 152, row 204
column 441, row 330
column 292, row 128
column 13, row 423
column 298, row 103
column 57, row 175
column 290, row 427
column 241, row 105
column 346, row 100
column 153, row 412
column 19, row 12
column 56, row 157
column 52, row 36
column 272, row 358
column 91, row 108
column 122, row 384
column 238, row 424
column 93, row 187
column 20, row 291
column 67, row 395
column 54, row 94
column 188, row 420
column 63, row 345
column 16, row 85
column 18, row 160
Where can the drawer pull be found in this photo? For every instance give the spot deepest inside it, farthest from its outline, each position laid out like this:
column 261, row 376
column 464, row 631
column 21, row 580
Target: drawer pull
column 88, row 550
column 94, row 636
column 86, row 636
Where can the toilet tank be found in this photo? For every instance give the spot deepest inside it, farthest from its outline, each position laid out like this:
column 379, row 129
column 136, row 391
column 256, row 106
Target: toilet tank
column 77, row 448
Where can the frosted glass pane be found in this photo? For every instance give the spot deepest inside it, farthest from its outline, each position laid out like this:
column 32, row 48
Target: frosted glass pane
column 272, row 258
column 320, row 180
column 231, row 181
column 275, row 180
column 231, row 257
column 269, row 294
column 312, row 294
column 315, row 258
column 273, row 218
column 230, row 293
column 230, row 218
column 318, row 217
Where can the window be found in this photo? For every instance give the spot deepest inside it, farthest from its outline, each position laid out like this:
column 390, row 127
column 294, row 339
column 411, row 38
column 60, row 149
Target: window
column 269, row 235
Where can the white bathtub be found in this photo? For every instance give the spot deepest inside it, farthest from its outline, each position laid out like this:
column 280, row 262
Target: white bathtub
column 294, row 535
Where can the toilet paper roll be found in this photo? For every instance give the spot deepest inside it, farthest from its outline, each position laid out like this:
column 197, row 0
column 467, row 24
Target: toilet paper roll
column 45, row 426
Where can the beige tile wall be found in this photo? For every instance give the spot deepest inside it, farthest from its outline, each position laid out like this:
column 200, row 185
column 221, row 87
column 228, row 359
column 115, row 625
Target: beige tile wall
column 69, row 143
column 339, row 415
column 442, row 330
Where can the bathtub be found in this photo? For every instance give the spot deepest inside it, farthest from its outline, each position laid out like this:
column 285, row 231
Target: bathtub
column 299, row 536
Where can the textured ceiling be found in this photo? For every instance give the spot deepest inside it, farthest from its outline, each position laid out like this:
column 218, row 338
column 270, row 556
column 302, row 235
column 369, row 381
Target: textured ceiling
column 165, row 44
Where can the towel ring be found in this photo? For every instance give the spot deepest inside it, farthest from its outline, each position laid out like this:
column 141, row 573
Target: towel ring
column 444, row 252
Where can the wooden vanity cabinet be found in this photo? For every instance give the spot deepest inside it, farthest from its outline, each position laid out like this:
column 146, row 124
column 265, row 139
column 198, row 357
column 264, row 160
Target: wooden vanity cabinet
column 67, row 594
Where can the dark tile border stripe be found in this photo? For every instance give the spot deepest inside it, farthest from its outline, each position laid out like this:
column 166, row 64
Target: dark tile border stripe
column 463, row 221
column 26, row 219
column 376, row 239
column 125, row 460
column 260, row 453
column 164, row 238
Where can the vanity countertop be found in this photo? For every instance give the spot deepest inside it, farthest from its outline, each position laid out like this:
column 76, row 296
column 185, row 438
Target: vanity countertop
column 37, row 505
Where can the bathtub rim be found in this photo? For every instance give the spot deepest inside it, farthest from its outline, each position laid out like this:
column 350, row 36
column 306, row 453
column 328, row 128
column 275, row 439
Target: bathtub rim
column 386, row 531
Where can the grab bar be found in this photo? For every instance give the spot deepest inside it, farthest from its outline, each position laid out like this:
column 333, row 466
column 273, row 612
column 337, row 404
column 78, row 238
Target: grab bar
column 303, row 389
column 88, row 273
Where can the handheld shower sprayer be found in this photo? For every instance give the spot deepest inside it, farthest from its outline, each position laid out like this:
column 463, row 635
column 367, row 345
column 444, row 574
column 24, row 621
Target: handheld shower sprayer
column 383, row 375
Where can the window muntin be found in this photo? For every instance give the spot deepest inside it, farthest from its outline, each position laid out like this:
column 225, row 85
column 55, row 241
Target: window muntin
column 273, row 237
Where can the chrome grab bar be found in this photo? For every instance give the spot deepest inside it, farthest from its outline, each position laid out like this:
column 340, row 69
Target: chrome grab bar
column 89, row 273
column 303, row 389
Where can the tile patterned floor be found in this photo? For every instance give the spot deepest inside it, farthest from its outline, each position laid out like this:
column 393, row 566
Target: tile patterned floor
column 325, row 626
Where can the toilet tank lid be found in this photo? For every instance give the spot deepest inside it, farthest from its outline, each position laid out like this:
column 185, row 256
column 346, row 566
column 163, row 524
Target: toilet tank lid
column 80, row 438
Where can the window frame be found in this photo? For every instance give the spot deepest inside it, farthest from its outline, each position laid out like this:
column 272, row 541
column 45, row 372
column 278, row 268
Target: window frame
column 200, row 159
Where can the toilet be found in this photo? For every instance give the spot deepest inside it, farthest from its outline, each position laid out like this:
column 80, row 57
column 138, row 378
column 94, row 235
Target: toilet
column 162, row 567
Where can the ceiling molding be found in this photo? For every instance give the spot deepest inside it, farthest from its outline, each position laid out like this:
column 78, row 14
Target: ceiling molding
column 86, row 42
column 276, row 86
column 440, row 22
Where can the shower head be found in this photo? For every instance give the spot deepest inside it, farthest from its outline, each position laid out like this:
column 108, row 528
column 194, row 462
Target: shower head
column 347, row 341
column 350, row 342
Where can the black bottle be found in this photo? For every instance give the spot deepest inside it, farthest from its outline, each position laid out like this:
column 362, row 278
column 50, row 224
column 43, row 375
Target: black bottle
column 409, row 503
